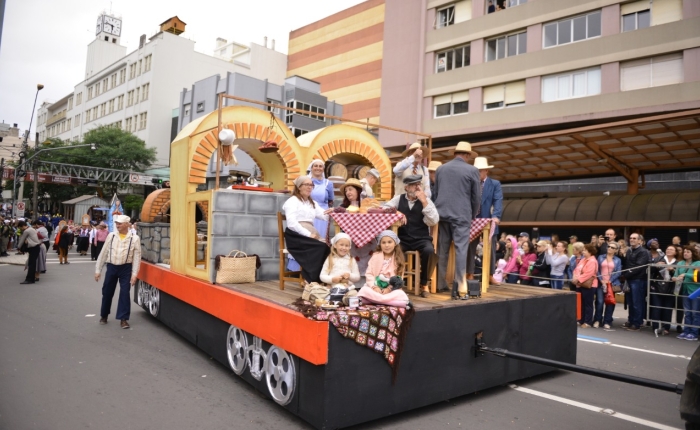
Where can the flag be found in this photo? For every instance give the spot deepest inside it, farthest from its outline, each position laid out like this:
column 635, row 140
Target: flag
column 114, row 209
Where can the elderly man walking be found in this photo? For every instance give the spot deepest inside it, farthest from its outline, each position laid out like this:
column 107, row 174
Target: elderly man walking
column 122, row 254
column 31, row 239
column 457, row 199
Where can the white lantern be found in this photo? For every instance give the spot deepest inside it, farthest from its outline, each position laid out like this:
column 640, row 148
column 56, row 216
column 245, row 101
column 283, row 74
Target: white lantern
column 226, row 137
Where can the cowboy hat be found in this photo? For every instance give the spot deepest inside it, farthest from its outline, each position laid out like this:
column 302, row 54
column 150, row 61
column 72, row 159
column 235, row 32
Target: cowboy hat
column 352, row 181
column 481, row 163
column 434, row 165
column 464, row 147
column 413, row 147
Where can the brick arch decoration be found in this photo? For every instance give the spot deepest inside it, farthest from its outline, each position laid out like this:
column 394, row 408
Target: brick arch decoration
column 158, row 203
column 286, row 155
column 367, row 148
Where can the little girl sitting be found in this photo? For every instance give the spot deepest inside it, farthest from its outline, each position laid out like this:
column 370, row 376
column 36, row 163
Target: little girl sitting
column 386, row 262
column 340, row 269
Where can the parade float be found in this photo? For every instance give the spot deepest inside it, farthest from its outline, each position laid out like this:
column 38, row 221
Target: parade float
column 306, row 365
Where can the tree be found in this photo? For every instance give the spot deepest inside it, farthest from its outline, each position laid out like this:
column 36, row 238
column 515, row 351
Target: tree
column 132, row 202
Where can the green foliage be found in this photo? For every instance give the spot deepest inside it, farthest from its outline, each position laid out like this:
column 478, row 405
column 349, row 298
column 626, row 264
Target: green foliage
column 132, row 202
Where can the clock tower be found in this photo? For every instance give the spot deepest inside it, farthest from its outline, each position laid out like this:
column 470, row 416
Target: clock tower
column 106, row 48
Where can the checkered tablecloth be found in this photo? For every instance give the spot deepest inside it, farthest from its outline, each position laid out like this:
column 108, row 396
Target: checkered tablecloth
column 478, row 226
column 363, row 228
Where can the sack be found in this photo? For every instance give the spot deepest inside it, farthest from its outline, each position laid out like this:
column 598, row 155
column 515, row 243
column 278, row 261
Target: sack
column 238, row 269
column 314, row 291
column 609, row 295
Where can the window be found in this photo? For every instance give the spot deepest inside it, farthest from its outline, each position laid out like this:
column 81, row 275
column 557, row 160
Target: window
column 313, row 109
column 105, row 84
column 79, row 98
column 68, row 124
column 136, row 95
column 274, row 110
column 87, row 115
column 120, row 102
column 94, row 113
column 122, row 76
column 445, row 17
column 451, row 104
column 504, row 95
column 90, row 93
column 506, row 46
column 132, row 71
column 512, row 3
column 103, row 108
column 97, row 89
column 580, row 83
column 298, row 132
column 289, row 114
column 637, row 20
column 114, row 80
column 144, row 92
column 651, row 72
column 70, row 103
column 140, row 67
column 142, row 120
column 111, row 106
column 130, row 98
column 77, row 120
column 200, row 107
column 453, row 59
column 572, row 29
column 128, row 124
column 147, row 63
column 187, row 111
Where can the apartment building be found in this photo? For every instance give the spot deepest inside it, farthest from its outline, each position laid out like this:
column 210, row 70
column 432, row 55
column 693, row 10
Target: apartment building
column 137, row 91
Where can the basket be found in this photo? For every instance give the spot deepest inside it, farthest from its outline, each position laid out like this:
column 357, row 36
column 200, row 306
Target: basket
column 236, row 269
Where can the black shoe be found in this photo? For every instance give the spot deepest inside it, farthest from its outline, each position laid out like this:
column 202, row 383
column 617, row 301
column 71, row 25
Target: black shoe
column 626, row 325
column 26, row 282
column 103, row 321
column 43, row 271
column 632, row 328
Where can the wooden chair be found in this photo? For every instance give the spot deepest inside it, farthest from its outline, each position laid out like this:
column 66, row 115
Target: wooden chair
column 412, row 272
column 285, row 275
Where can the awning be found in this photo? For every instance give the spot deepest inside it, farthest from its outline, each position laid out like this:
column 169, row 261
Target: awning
column 642, row 210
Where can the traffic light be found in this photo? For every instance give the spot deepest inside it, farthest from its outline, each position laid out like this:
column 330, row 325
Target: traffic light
column 157, row 181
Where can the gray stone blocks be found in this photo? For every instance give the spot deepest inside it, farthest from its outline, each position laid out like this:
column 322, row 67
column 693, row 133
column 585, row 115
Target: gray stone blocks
column 259, row 203
column 244, row 225
column 233, row 201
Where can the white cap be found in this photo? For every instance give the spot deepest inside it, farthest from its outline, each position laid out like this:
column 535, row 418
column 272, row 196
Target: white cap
column 121, row 218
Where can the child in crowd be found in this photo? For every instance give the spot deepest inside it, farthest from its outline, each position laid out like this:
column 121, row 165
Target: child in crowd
column 340, row 269
column 386, row 263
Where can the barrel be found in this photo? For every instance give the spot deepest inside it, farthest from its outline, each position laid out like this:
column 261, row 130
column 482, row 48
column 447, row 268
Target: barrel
column 333, row 168
column 357, row 171
column 337, row 181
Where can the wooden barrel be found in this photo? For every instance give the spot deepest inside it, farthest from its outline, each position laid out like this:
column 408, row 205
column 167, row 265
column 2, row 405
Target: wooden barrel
column 333, row 168
column 337, row 183
column 357, row 171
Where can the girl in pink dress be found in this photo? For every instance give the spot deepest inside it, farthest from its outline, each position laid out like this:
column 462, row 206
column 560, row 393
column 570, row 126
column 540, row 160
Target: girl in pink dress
column 387, row 261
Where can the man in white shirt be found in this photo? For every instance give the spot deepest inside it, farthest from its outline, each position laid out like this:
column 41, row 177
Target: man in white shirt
column 412, row 165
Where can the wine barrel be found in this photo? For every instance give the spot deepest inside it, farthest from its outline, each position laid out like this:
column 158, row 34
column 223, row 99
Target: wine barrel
column 357, row 171
column 337, row 183
column 333, row 168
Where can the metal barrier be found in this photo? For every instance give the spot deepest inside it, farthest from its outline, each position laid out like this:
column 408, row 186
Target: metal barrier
column 662, row 301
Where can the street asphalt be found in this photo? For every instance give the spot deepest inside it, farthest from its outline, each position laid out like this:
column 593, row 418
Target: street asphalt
column 60, row 369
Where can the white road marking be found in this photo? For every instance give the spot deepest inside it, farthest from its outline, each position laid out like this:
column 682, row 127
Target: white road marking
column 635, row 349
column 593, row 408
column 71, row 262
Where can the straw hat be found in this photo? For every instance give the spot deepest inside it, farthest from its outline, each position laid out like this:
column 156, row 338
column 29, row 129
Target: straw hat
column 350, row 182
column 413, row 147
column 434, row 165
column 481, row 163
column 464, row 147
column 121, row 219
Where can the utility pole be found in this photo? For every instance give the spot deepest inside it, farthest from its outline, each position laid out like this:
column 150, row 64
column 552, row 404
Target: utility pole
column 20, row 196
column 36, row 179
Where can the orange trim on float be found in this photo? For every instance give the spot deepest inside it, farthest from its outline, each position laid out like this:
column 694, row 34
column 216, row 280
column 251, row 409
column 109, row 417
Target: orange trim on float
column 278, row 325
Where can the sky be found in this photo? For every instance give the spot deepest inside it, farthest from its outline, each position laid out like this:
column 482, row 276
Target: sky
column 45, row 41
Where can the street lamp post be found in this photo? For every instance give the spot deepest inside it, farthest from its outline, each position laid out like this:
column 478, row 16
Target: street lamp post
column 35, row 197
column 39, row 87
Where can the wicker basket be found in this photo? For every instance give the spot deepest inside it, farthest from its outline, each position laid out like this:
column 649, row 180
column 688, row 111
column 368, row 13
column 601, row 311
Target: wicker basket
column 236, row 269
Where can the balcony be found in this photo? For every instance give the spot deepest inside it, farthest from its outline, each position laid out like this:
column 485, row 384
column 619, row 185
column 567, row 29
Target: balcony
column 55, row 118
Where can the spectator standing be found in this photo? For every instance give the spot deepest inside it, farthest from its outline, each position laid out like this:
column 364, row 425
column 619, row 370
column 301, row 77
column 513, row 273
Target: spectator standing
column 661, row 296
column 572, row 239
column 610, row 236
column 491, row 207
column 93, row 245
column 100, row 237
column 676, row 241
column 5, row 231
column 609, row 266
column 576, row 256
column 635, row 273
column 65, row 241
column 541, row 268
column 510, row 271
column 32, row 242
column 586, row 269
column 411, row 165
column 687, row 272
column 522, row 237
column 457, row 199
column 557, row 259
column 526, row 260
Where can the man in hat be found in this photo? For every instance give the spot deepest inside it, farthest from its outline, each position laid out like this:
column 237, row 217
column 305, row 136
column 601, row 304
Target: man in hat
column 33, row 243
column 491, row 207
column 419, row 215
column 411, row 165
column 457, row 198
column 368, row 182
column 432, row 167
column 122, row 254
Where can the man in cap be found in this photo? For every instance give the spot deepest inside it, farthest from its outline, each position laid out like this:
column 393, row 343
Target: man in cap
column 457, row 198
column 419, row 215
column 432, row 167
column 368, row 182
column 523, row 237
column 33, row 243
column 411, row 165
column 491, row 207
column 122, row 254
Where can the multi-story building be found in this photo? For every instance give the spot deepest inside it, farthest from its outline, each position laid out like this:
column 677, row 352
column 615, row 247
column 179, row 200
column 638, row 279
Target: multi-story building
column 136, row 91
column 296, row 92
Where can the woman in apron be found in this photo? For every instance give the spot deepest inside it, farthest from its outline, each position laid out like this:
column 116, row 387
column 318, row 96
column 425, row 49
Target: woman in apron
column 322, row 194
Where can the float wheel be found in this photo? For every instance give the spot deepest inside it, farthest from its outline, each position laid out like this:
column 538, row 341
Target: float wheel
column 280, row 375
column 236, row 347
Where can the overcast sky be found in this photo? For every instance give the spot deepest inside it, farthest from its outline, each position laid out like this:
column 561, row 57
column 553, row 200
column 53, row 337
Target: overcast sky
column 45, row 41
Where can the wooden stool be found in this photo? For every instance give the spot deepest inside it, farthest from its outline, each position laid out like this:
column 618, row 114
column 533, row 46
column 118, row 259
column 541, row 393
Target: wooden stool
column 412, row 272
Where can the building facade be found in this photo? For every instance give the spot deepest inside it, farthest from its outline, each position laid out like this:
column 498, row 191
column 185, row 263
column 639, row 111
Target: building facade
column 137, row 91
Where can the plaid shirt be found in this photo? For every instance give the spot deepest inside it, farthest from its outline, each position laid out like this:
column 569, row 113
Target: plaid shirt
column 117, row 251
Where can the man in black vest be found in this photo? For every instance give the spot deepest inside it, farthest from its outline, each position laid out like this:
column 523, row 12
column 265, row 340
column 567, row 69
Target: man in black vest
column 419, row 215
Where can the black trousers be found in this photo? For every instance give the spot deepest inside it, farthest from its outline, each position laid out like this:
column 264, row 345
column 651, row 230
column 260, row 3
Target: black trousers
column 31, row 262
column 309, row 253
column 425, row 248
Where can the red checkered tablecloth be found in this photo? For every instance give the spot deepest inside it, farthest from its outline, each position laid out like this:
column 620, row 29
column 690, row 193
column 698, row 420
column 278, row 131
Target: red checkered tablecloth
column 363, row 228
column 478, row 226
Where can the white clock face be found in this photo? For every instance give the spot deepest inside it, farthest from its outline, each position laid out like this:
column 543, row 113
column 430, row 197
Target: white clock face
column 99, row 24
column 113, row 25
